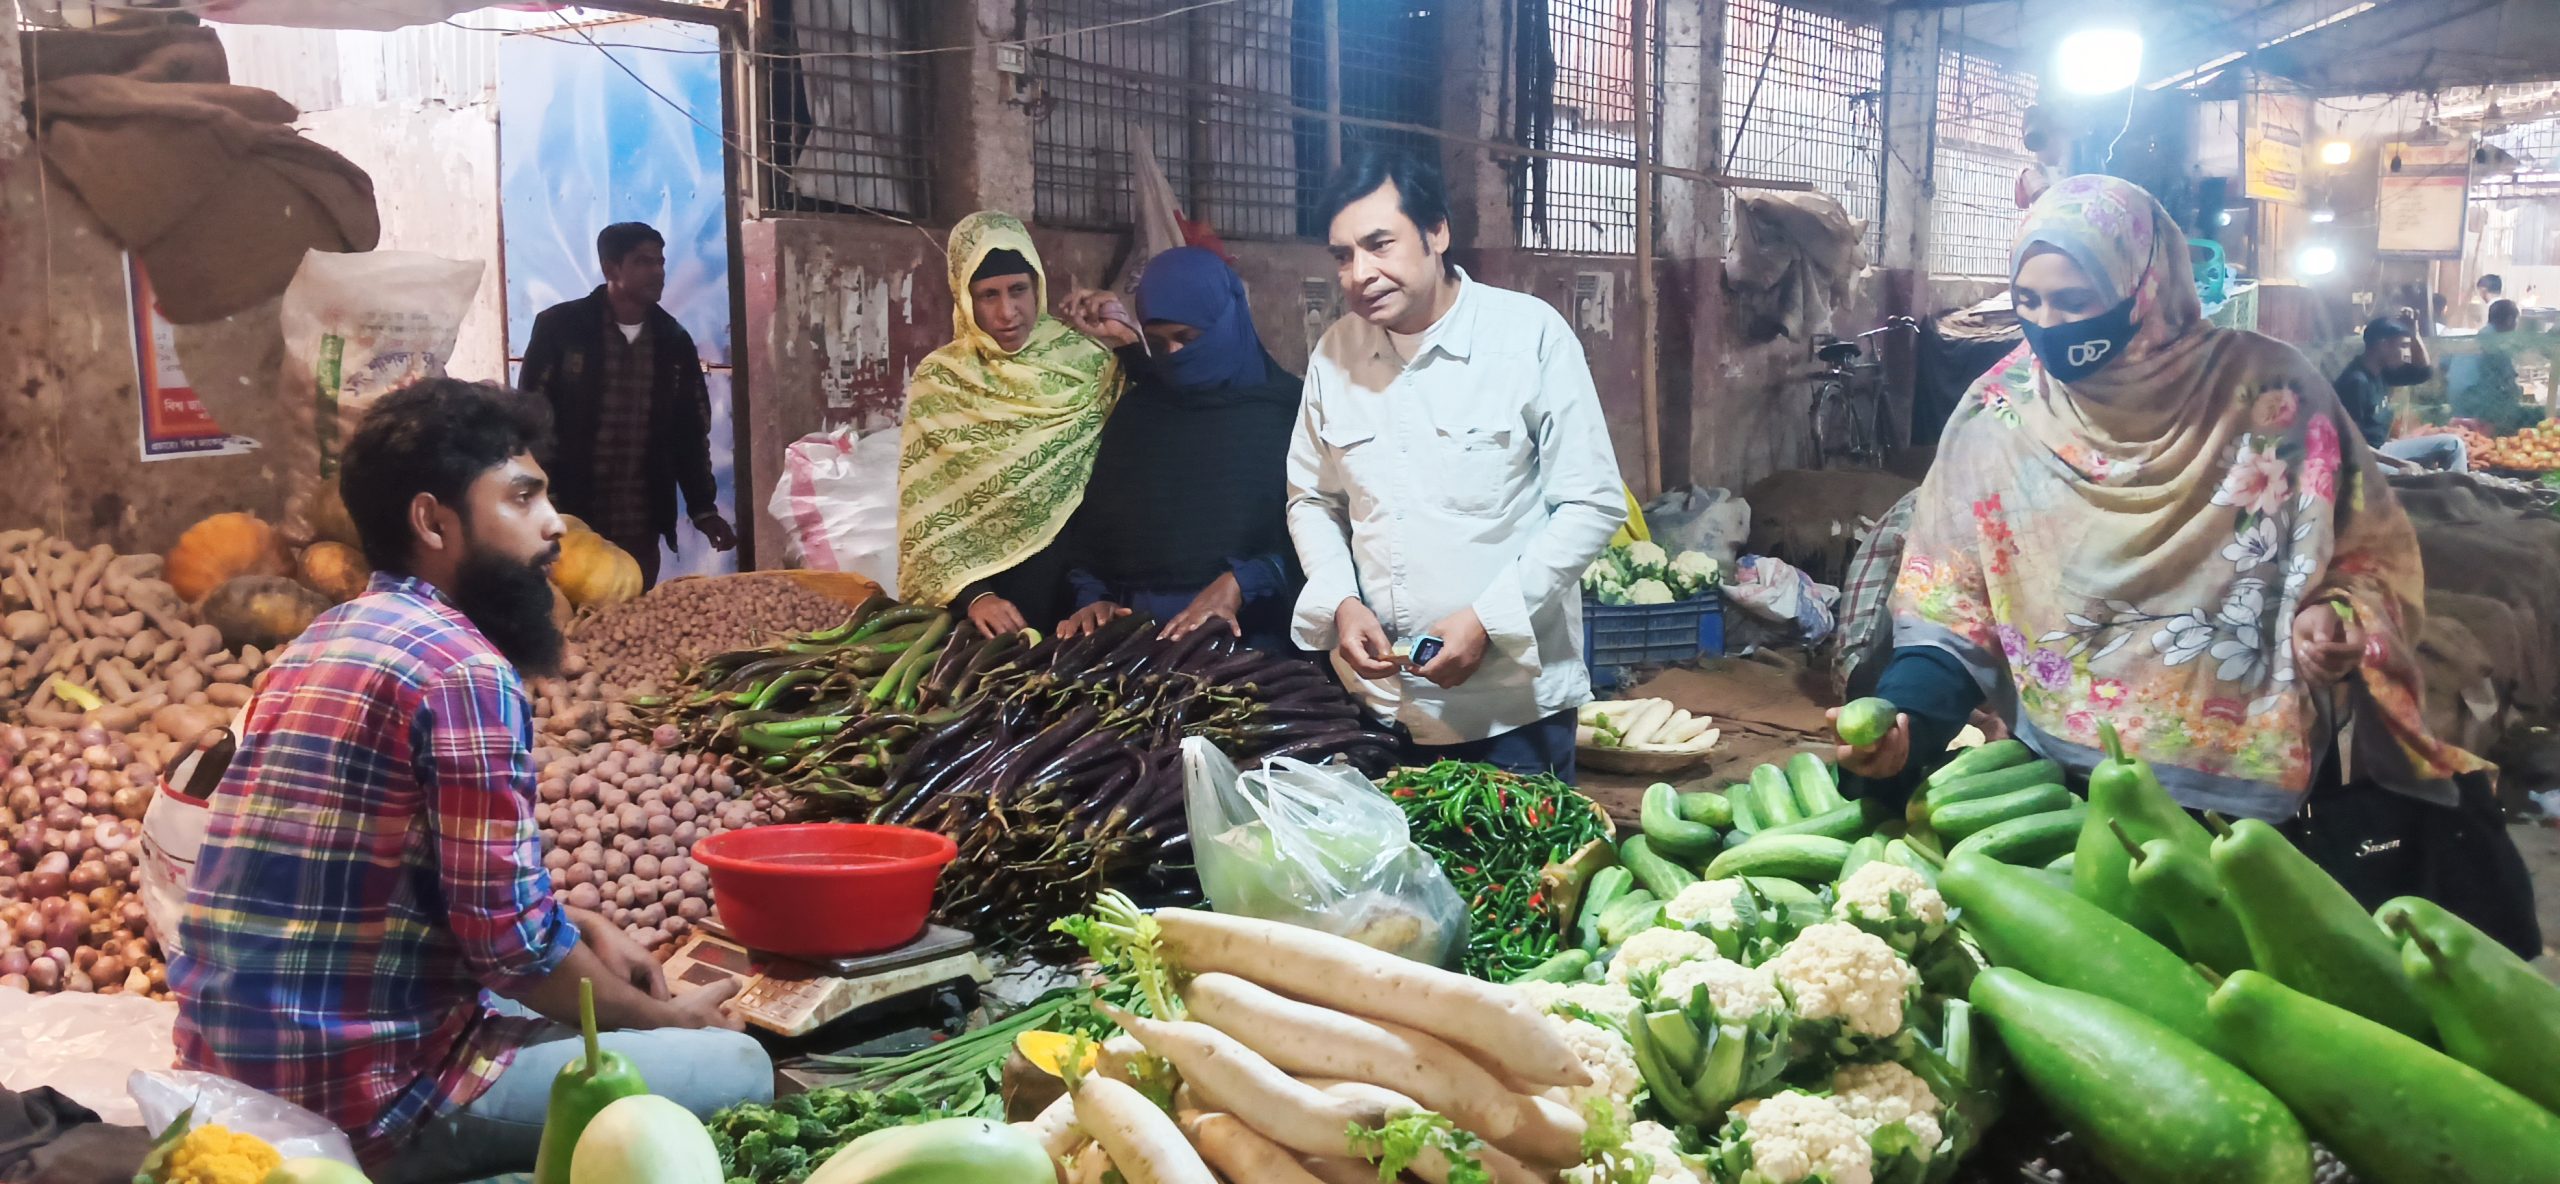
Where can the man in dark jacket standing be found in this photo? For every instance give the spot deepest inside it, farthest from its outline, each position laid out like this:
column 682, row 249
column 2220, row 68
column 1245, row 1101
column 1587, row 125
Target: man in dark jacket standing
column 631, row 413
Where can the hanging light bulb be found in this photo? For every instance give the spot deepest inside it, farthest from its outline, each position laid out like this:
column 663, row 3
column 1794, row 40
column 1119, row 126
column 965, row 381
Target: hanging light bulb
column 2337, row 152
column 2316, row 260
column 2100, row 61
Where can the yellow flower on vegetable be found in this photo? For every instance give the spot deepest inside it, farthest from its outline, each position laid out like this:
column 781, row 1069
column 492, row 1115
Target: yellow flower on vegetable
column 214, row 1154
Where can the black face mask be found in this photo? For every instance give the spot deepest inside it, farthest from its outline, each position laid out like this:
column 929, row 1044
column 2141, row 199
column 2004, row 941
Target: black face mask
column 2075, row 350
column 2407, row 374
column 510, row 603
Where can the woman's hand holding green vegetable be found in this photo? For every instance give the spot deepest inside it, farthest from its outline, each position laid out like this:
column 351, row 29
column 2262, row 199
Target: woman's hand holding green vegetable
column 1882, row 758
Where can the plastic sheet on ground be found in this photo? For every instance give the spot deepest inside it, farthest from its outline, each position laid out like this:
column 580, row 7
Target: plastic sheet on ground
column 84, row 1045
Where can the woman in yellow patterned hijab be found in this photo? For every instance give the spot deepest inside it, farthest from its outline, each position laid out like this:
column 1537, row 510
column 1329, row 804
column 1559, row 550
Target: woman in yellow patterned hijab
column 1000, row 431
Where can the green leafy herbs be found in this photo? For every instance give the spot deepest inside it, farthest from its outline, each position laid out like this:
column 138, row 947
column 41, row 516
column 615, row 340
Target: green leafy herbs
column 1398, row 1143
column 1127, row 946
column 783, row 1141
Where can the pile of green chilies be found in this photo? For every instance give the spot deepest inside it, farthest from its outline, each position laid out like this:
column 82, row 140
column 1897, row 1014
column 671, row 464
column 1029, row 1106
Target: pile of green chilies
column 1493, row 834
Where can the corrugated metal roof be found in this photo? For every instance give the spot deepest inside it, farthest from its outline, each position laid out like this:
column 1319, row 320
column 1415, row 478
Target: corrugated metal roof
column 334, row 69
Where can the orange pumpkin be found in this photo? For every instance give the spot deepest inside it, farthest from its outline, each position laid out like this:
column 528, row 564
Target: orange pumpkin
column 335, row 570
column 220, row 549
column 594, row 572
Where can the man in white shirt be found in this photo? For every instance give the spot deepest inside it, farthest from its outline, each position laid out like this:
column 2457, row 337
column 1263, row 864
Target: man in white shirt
column 1451, row 477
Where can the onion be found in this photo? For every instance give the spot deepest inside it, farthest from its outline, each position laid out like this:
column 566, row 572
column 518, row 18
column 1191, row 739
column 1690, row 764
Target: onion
column 13, row 961
column 88, row 875
column 66, row 929
column 43, row 885
column 44, row 973
column 62, row 815
column 14, row 982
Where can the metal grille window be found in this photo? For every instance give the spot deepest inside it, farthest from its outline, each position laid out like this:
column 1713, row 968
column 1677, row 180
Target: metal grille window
column 1982, row 110
column 1802, row 93
column 2536, row 147
column 845, row 106
column 1578, row 206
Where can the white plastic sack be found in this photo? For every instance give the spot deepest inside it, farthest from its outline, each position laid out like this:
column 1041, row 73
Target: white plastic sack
column 1777, row 591
column 1317, row 846
column 84, row 1045
column 1711, row 521
column 837, row 502
column 173, row 829
column 357, row 327
column 298, row 1133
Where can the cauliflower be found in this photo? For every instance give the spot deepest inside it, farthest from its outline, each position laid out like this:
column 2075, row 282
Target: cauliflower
column 1611, row 1060
column 1838, row 971
column 1880, row 1095
column 1659, row 1144
column 1707, row 901
column 1649, row 591
column 1693, row 572
column 1647, row 560
column 1869, row 892
column 1739, row 992
column 1794, row 1135
column 1655, row 948
column 1600, row 999
column 1606, row 578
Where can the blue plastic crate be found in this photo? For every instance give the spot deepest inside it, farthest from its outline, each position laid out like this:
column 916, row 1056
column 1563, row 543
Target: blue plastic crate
column 1618, row 637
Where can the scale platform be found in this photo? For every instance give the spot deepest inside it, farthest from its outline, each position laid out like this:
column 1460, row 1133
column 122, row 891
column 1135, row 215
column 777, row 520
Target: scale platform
column 793, row 997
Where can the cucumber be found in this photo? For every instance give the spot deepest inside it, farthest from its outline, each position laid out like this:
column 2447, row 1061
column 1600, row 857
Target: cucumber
column 1810, row 859
column 1999, row 754
column 2064, row 864
column 1957, row 822
column 1712, row 809
column 1782, row 892
column 1613, row 919
column 1848, row 823
column 1746, row 809
column 1617, row 929
column 1989, row 785
column 1670, row 834
column 1902, row 854
column 1606, row 887
column 2032, row 841
column 1861, row 853
column 1774, row 798
column 1864, row 721
column 1661, row 877
column 1565, row 967
column 1815, row 790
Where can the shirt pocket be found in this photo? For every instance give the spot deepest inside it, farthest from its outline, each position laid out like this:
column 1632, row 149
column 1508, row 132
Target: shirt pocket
column 1354, row 445
column 1476, row 466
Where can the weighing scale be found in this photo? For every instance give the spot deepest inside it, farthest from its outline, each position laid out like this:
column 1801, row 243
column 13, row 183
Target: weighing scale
column 794, row 996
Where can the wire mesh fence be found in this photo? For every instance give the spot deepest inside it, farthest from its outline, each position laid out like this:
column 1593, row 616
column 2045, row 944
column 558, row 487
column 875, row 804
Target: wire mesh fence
column 845, row 111
column 1982, row 108
column 1802, row 98
column 1588, row 107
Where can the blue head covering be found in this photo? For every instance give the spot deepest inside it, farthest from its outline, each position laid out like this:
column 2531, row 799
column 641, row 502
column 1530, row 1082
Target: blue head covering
column 1192, row 286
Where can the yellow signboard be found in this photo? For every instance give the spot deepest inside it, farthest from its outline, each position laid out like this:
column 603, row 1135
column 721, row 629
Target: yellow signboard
column 2276, row 147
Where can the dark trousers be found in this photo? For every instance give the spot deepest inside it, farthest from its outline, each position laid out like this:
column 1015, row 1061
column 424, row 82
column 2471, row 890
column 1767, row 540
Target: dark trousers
column 645, row 552
column 1543, row 747
column 2381, row 844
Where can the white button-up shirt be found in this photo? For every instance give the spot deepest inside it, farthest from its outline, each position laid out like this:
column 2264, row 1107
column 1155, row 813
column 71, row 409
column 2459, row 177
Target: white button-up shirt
column 1479, row 474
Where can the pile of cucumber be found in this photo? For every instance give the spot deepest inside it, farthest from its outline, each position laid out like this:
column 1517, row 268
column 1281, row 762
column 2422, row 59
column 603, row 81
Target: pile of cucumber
column 2002, row 800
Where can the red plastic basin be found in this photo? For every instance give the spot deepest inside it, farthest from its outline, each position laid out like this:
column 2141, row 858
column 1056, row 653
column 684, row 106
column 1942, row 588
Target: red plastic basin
column 824, row 889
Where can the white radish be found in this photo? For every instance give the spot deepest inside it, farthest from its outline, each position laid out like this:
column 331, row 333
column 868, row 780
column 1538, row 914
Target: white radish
column 1055, row 1127
column 1240, row 1153
column 1339, row 1171
column 1117, row 1057
column 1090, row 1165
column 1308, row 1040
column 1549, row 1132
column 1496, row 1022
column 1238, row 1081
column 1142, row 1141
column 1432, row 1164
column 1645, row 719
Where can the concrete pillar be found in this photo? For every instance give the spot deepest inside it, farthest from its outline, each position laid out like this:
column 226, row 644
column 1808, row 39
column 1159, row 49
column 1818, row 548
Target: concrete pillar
column 1690, row 225
column 1910, row 134
column 1474, row 76
column 13, row 87
column 982, row 129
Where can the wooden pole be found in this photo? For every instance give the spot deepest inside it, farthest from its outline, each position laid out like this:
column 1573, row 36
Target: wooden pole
column 1649, row 349
column 1333, row 84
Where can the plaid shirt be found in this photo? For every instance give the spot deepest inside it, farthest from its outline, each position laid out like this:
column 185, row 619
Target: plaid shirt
column 1866, row 618
column 621, row 502
column 370, row 872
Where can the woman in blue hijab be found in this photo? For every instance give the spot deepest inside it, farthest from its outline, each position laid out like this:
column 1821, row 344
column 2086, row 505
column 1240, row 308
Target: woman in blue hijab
column 1184, row 518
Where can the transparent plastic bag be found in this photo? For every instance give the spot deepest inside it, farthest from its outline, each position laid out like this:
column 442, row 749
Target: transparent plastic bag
column 1318, row 846
column 293, row 1131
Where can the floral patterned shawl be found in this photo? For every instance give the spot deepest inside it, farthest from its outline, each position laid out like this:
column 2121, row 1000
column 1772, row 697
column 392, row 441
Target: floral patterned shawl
column 996, row 447
column 2134, row 548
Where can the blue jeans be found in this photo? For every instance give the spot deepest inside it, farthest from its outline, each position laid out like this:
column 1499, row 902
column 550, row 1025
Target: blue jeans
column 2441, row 451
column 701, row 1069
column 1543, row 747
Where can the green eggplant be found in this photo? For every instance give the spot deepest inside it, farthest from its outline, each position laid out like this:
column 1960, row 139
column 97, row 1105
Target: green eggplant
column 2307, row 931
column 2027, row 922
column 2397, row 1111
column 2123, row 791
column 2492, row 1010
column 2197, row 1118
column 2177, row 884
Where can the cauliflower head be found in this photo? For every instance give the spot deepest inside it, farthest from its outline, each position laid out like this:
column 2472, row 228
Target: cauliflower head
column 1659, row 1144
column 1611, row 1060
column 1739, row 992
column 1706, row 902
column 1647, row 560
column 1606, row 577
column 1650, row 591
column 1869, row 892
column 1657, row 948
column 1601, row 999
column 1835, row 970
column 1880, row 1095
column 1793, row 1135
column 1693, row 572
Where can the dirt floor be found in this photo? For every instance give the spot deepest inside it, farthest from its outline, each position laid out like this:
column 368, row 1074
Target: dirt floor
column 1769, row 707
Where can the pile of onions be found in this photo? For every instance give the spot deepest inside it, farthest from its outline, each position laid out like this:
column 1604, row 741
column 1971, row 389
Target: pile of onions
column 619, row 821
column 71, row 917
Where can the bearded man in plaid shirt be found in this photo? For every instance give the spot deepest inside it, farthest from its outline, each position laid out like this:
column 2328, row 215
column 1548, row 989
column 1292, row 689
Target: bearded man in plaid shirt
column 369, row 931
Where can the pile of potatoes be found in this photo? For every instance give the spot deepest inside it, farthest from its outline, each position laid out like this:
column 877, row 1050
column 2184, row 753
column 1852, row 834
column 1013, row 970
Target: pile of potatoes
column 648, row 642
column 619, row 819
column 91, row 638
column 71, row 916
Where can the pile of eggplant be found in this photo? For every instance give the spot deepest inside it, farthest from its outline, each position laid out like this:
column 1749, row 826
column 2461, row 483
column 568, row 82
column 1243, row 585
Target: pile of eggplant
column 1054, row 764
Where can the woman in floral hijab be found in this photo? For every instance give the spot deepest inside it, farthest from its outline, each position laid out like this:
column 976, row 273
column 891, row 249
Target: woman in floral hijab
column 2142, row 519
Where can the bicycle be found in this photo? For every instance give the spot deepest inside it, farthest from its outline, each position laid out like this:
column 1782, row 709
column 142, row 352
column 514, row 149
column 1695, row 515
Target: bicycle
column 1848, row 399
